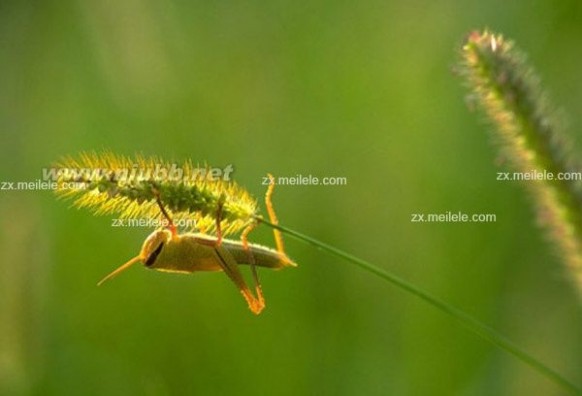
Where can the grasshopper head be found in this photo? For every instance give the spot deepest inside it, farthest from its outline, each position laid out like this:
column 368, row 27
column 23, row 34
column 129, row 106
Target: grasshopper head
column 153, row 246
column 150, row 250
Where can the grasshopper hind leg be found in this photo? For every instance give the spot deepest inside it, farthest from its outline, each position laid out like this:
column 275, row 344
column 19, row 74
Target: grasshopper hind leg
column 230, row 267
column 245, row 243
column 260, row 300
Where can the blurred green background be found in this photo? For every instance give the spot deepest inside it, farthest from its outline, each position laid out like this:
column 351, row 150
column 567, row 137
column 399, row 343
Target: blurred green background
column 328, row 88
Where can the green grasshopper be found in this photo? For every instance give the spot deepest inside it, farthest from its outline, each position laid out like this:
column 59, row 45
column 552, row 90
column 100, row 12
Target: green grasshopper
column 166, row 250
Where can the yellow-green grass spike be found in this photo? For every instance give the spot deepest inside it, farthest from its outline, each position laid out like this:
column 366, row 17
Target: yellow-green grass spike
column 529, row 135
column 112, row 184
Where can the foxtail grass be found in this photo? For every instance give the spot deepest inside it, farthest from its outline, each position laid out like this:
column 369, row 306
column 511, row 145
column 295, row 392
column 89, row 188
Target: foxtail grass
column 529, row 135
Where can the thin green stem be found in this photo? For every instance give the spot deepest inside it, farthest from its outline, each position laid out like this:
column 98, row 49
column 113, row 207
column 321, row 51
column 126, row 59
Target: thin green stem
column 472, row 324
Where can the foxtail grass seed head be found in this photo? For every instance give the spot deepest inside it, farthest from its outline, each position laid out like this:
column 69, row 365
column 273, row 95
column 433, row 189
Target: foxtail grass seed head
column 528, row 134
column 114, row 184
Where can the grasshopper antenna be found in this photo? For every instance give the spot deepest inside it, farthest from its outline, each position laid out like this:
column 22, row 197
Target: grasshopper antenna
column 120, row 269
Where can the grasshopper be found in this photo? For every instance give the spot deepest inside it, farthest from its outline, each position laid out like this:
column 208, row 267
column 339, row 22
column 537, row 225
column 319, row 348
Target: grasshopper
column 168, row 251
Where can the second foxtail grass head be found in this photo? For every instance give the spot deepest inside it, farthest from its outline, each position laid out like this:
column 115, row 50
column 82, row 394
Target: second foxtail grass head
column 529, row 136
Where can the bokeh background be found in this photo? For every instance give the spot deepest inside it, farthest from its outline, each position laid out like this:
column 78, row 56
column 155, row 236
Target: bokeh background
column 362, row 90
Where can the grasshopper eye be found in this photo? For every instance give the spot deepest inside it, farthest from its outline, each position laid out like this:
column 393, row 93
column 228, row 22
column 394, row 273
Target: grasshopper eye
column 152, row 257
